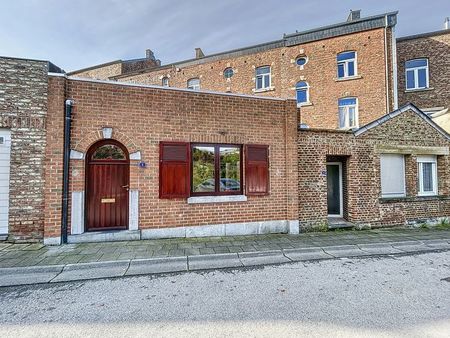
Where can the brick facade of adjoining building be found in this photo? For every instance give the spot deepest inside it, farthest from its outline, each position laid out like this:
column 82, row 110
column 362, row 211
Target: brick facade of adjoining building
column 23, row 112
column 409, row 133
column 142, row 117
column 436, row 48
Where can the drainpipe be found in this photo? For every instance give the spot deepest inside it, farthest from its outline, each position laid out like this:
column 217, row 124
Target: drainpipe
column 65, row 199
column 394, row 68
column 386, row 62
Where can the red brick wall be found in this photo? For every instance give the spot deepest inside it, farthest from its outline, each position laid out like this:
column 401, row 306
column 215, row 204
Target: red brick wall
column 320, row 72
column 365, row 205
column 142, row 117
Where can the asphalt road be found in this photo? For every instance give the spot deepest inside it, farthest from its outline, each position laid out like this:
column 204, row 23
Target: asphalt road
column 407, row 296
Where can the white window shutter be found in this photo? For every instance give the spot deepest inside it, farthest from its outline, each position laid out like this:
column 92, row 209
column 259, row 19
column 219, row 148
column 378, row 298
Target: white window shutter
column 392, row 174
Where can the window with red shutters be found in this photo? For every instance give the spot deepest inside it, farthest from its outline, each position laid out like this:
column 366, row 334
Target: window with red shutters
column 257, row 169
column 174, row 170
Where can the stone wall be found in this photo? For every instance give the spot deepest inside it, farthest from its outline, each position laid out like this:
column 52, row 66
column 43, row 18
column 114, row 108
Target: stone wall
column 23, row 110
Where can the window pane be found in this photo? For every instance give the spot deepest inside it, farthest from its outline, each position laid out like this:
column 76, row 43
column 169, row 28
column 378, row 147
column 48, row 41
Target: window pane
column 301, row 84
column 342, row 117
column 347, row 101
column 410, row 79
column 416, row 63
column 351, row 68
column 230, row 169
column 422, row 78
column 351, row 116
column 345, row 56
column 203, row 179
column 301, row 61
column 259, row 82
column 427, row 176
column 301, row 96
column 262, row 70
column 266, row 81
column 108, row 152
column 341, row 72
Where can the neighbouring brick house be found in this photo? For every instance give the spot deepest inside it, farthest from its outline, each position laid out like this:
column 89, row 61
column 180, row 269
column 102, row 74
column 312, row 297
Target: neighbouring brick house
column 341, row 75
column 393, row 171
column 424, row 60
column 23, row 116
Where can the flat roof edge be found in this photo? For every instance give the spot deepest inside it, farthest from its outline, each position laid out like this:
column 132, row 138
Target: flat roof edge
column 128, row 84
column 423, row 35
column 94, row 67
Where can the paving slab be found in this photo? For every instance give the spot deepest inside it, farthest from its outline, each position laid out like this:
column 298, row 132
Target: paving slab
column 73, row 272
column 28, row 275
column 437, row 244
column 157, row 265
column 263, row 257
column 306, row 254
column 217, row 261
column 345, row 251
column 379, row 248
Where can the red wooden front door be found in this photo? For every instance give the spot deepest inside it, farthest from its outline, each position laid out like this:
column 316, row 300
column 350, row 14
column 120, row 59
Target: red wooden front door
column 107, row 184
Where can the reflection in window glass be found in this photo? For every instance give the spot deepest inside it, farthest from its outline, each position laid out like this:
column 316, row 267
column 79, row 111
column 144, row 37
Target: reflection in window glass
column 203, row 179
column 230, row 169
column 108, row 152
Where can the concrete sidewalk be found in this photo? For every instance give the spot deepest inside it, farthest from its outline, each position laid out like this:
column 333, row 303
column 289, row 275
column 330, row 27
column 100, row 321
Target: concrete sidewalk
column 34, row 263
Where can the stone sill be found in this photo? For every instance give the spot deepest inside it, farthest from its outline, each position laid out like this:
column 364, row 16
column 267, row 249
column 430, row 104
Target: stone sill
column 356, row 77
column 386, row 200
column 418, row 90
column 216, row 199
column 306, row 104
column 263, row 90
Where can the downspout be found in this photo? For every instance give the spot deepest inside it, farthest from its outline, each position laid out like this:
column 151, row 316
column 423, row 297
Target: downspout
column 386, row 62
column 65, row 199
column 394, row 68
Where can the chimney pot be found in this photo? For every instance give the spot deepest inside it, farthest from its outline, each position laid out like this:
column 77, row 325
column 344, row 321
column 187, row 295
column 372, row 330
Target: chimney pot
column 354, row 15
column 199, row 53
column 447, row 23
column 149, row 54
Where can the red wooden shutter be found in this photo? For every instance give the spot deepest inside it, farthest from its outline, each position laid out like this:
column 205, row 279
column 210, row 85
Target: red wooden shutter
column 257, row 169
column 174, row 170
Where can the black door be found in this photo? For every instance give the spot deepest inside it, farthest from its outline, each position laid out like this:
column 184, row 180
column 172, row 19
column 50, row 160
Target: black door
column 334, row 189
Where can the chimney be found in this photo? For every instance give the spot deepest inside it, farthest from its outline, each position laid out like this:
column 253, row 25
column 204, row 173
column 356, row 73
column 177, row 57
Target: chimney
column 447, row 23
column 149, row 54
column 199, row 53
column 354, row 15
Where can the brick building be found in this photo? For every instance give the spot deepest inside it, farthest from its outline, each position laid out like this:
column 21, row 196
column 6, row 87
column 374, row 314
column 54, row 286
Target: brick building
column 424, row 60
column 341, row 75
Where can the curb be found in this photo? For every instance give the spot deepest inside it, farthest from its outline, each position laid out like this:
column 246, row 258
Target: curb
column 152, row 266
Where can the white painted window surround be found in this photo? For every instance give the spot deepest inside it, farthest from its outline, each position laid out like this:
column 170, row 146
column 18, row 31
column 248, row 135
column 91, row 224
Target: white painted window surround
column 392, row 172
column 216, row 199
column 427, row 174
column 263, row 78
column 5, row 163
column 193, row 84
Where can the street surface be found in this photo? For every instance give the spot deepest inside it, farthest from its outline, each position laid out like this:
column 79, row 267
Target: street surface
column 402, row 296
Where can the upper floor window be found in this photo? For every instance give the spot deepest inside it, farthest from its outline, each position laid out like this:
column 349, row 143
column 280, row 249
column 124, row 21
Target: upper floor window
column 427, row 166
column 193, row 84
column 416, row 74
column 228, row 72
column 165, row 81
column 263, row 77
column 346, row 64
column 301, row 61
column 348, row 113
column 302, row 90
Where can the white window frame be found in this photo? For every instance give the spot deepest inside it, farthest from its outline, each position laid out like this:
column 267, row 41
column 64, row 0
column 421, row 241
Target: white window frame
column 347, row 126
column 415, row 70
column 403, row 174
column 193, row 87
column 304, row 88
column 420, row 161
column 265, row 85
column 345, row 63
column 163, row 80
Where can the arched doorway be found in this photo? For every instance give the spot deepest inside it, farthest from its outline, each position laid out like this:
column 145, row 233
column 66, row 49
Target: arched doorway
column 107, row 185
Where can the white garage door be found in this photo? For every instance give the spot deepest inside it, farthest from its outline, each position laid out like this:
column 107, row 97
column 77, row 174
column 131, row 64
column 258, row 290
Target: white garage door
column 5, row 159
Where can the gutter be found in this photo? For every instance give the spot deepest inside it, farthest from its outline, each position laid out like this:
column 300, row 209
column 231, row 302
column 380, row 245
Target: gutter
column 66, row 158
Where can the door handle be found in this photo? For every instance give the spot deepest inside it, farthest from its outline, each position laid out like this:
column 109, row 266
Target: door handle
column 126, row 187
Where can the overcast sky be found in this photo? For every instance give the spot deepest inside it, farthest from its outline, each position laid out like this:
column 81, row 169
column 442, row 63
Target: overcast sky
column 79, row 33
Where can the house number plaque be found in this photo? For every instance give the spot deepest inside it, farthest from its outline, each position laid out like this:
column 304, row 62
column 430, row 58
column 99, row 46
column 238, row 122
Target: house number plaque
column 108, row 200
